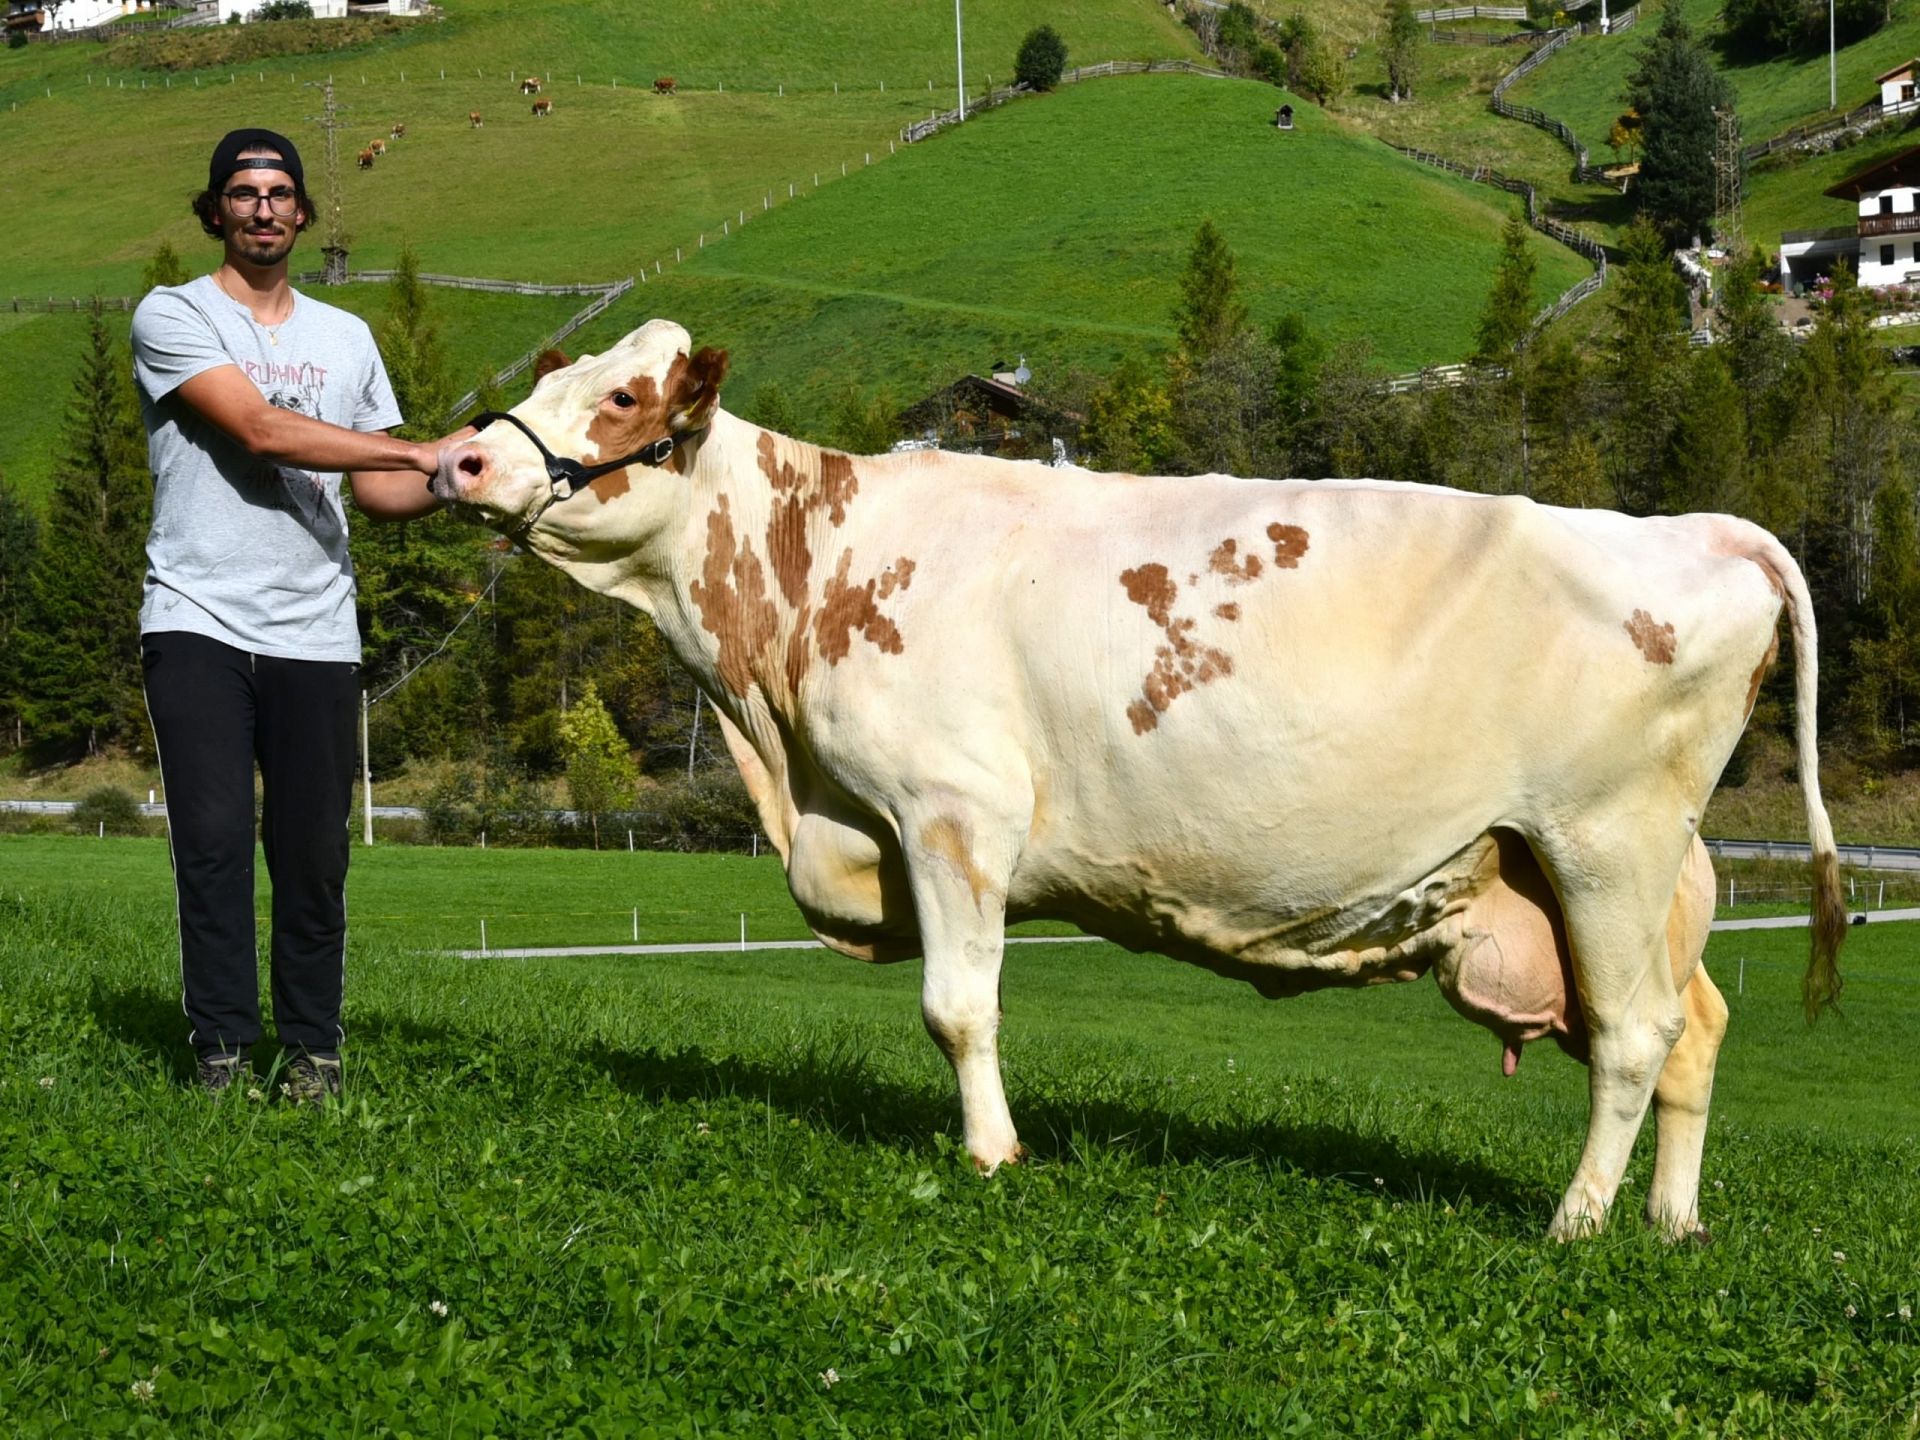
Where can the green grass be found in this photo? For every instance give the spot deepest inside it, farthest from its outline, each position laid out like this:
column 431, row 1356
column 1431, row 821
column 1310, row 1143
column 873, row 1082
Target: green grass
column 1057, row 227
column 40, row 355
column 669, row 1196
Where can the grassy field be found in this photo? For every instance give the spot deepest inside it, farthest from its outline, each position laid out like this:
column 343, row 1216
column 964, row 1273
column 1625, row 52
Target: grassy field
column 1056, row 227
column 41, row 354
column 725, row 1195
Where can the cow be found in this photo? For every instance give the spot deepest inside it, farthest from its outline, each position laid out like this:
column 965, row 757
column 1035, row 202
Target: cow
column 365, row 159
column 543, row 107
column 1301, row 733
column 398, row 132
column 664, row 85
column 473, row 119
column 530, row 85
column 378, row 147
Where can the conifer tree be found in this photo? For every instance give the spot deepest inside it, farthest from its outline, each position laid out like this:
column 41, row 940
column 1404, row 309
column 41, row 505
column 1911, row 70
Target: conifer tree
column 1676, row 90
column 1209, row 312
column 19, row 539
column 165, row 267
column 1884, row 694
column 1647, row 369
column 77, row 667
column 1509, row 310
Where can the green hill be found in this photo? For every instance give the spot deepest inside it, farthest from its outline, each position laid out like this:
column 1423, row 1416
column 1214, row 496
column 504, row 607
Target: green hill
column 1057, row 226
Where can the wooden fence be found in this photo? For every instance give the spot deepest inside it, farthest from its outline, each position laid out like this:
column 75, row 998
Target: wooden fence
column 1862, row 118
column 467, row 282
column 1487, row 38
column 1471, row 12
column 604, row 296
column 921, row 129
column 78, row 304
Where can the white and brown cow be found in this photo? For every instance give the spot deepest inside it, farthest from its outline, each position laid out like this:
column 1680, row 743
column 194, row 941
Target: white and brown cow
column 1301, row 733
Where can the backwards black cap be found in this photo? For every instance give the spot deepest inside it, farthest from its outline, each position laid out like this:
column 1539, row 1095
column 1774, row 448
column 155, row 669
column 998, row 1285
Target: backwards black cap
column 226, row 157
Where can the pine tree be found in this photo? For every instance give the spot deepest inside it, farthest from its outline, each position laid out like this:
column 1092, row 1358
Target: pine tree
column 1676, row 90
column 164, row 268
column 1042, row 57
column 1647, row 369
column 1883, row 699
column 77, row 672
column 600, row 771
column 1759, row 354
column 1509, row 310
column 1209, row 313
column 19, row 539
column 1401, row 50
column 1707, row 450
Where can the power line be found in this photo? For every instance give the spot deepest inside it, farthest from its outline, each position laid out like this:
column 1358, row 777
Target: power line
column 499, row 570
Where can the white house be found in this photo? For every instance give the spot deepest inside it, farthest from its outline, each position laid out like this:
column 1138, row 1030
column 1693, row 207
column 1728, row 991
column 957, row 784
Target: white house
column 322, row 9
column 70, row 14
column 1897, row 87
column 1883, row 243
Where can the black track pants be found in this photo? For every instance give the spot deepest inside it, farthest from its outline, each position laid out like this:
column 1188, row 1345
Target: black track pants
column 216, row 711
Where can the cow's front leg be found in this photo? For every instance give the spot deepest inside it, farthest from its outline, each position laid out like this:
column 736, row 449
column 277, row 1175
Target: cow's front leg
column 959, row 873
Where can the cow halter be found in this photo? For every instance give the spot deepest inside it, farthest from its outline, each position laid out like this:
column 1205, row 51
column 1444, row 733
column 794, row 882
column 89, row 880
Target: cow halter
column 568, row 475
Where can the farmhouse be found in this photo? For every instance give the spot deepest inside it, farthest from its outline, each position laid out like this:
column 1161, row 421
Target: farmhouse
column 1897, row 88
column 33, row 16
column 990, row 415
column 1883, row 243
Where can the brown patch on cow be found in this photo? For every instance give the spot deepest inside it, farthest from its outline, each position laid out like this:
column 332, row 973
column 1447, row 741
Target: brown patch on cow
column 1289, row 544
column 797, row 656
column 1180, row 665
column 804, row 480
column 846, row 610
column 1655, row 641
column 1760, row 672
column 897, row 576
column 951, row 840
column 1226, row 560
column 548, row 362
column 620, row 431
column 731, row 596
column 1229, row 611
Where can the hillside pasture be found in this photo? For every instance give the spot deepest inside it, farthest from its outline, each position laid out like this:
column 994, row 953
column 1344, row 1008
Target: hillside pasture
column 1057, row 227
column 725, row 1194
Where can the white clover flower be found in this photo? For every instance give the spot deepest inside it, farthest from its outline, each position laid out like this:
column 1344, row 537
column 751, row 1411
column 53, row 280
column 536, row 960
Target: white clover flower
column 142, row 1390
column 1850, row 1312
column 438, row 1307
column 703, row 1128
column 1816, row 1230
column 829, row 1377
column 46, row 1082
column 1906, row 1312
column 1839, row 1257
column 255, row 1093
column 1721, row 1293
column 1718, row 1184
column 1229, row 1064
column 1377, row 1180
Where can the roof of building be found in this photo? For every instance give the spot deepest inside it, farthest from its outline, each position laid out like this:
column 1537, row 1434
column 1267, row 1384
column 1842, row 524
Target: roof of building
column 1901, row 169
column 1904, row 68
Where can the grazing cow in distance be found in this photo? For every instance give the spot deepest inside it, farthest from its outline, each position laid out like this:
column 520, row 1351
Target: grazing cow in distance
column 530, row 85
column 664, row 85
column 379, row 147
column 399, row 132
column 1300, row 733
column 543, row 107
column 473, row 119
column 365, row 159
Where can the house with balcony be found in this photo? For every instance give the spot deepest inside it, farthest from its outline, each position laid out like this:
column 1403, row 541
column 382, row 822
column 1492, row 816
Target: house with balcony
column 38, row 16
column 1882, row 245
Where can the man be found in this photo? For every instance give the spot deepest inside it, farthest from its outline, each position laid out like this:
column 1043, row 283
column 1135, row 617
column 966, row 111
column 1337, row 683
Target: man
column 256, row 400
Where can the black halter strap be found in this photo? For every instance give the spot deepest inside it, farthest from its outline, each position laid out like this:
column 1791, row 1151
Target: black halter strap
column 569, row 476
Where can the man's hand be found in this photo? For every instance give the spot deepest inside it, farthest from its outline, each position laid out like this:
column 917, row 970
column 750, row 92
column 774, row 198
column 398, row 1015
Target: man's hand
column 403, row 494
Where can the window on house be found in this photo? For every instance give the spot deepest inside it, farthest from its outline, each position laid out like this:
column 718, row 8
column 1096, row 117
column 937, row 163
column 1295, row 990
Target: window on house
column 1886, row 254
column 1916, row 252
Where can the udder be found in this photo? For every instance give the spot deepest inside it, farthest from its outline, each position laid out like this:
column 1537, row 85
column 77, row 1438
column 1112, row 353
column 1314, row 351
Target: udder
column 1511, row 969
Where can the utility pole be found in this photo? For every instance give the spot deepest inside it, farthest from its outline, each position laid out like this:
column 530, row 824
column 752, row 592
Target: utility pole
column 1833, row 83
column 366, row 777
column 960, row 59
column 1726, row 179
column 334, row 247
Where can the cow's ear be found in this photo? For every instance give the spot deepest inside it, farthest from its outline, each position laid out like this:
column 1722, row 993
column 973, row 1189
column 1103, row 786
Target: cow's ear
column 697, row 392
column 548, row 362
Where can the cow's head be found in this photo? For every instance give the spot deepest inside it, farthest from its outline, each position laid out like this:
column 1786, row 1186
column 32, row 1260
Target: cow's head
column 596, row 409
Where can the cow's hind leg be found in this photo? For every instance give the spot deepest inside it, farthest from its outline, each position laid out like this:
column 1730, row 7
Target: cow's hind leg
column 1685, row 1087
column 1634, row 1016
column 959, row 875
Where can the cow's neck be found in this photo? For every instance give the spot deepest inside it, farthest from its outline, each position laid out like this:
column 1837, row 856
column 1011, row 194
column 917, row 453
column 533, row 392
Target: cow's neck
column 737, row 594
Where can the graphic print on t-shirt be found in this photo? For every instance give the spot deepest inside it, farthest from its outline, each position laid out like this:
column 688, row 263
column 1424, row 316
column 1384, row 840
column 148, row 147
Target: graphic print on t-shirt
column 298, row 387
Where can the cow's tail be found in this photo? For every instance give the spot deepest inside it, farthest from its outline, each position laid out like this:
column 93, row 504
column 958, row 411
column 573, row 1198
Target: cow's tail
column 1820, row 987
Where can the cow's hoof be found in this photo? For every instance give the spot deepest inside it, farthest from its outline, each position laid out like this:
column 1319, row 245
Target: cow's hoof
column 986, row 1165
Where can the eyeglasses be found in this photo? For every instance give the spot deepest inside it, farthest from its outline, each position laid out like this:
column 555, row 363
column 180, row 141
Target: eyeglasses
column 282, row 200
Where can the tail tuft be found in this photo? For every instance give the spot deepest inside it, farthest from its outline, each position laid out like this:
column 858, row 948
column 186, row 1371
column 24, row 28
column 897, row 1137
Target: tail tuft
column 1820, row 987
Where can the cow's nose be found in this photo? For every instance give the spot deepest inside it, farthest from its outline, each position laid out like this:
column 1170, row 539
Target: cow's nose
column 462, row 471
column 472, row 464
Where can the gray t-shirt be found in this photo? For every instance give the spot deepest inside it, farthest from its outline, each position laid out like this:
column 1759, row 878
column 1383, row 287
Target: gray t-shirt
column 243, row 550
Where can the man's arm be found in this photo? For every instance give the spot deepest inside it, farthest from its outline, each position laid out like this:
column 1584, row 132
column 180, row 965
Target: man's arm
column 225, row 398
column 399, row 494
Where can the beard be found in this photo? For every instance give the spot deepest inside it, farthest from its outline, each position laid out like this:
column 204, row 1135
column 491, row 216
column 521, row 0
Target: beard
column 265, row 248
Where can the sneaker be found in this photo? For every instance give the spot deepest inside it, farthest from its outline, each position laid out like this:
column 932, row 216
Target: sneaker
column 310, row 1079
column 217, row 1070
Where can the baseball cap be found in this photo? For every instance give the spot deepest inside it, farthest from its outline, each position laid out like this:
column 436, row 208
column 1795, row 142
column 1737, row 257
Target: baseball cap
column 226, row 157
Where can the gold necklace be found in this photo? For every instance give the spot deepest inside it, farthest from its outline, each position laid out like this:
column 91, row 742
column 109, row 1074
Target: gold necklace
column 273, row 330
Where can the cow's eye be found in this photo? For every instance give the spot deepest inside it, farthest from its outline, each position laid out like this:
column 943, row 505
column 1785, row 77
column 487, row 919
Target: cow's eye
column 622, row 399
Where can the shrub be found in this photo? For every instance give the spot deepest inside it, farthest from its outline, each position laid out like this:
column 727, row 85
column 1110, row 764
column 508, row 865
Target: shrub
column 1043, row 55
column 498, row 801
column 16, row 40
column 110, row 806
column 284, row 10
column 710, row 812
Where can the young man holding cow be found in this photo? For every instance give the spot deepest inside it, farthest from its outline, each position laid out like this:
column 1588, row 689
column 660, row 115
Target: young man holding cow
column 257, row 402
